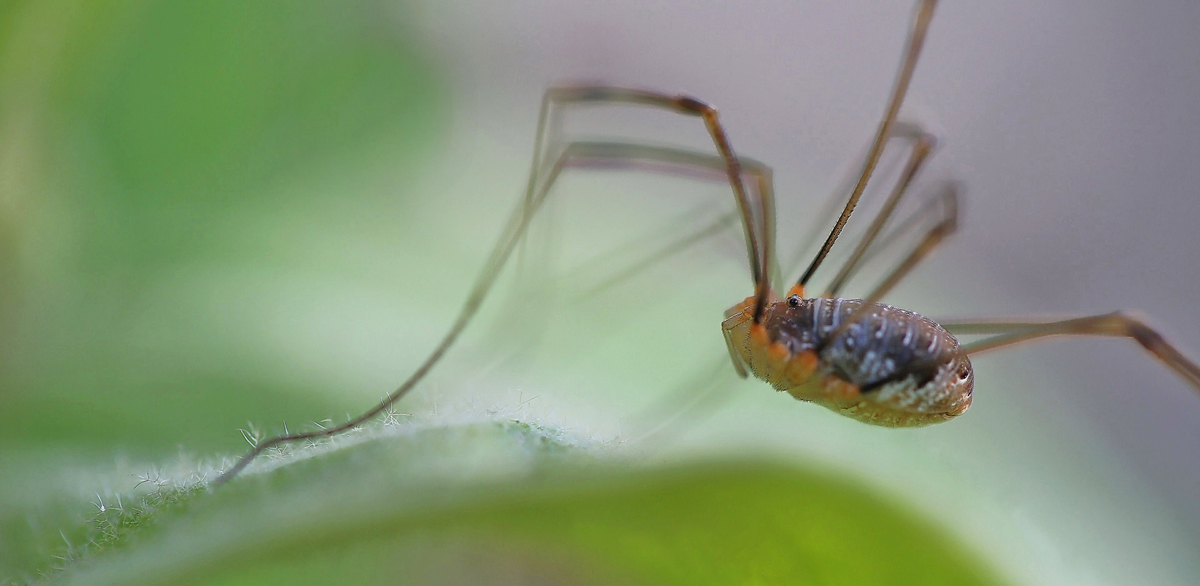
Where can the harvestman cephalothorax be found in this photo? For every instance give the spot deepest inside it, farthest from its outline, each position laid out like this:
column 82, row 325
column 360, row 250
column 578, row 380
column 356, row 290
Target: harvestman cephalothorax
column 867, row 360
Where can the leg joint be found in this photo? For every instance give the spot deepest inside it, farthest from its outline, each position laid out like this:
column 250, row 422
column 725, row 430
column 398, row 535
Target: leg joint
column 1143, row 334
column 693, row 105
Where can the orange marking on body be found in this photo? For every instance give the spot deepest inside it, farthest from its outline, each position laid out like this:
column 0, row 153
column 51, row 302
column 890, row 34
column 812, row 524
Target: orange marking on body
column 759, row 342
column 801, row 367
column 759, row 336
column 796, row 289
column 778, row 352
column 838, row 389
column 777, row 361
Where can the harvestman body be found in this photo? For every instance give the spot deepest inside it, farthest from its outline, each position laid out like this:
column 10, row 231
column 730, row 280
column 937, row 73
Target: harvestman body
column 867, row 360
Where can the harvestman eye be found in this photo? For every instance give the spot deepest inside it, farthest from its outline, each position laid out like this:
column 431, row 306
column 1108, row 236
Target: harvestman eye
column 867, row 360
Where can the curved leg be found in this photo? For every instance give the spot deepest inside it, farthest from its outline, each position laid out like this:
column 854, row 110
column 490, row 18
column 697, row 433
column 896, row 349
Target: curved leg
column 668, row 161
column 758, row 216
column 923, row 144
column 907, row 131
column 690, row 400
column 542, row 178
column 945, row 227
column 933, row 237
column 1119, row 324
column 916, row 40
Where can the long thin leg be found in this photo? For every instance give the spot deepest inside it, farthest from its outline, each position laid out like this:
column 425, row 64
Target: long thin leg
column 932, row 238
column 537, row 188
column 916, row 40
column 931, row 207
column 1119, row 324
column 606, row 155
column 700, row 393
column 758, row 216
column 662, row 160
column 688, row 402
column 509, row 238
column 906, row 131
column 940, row 231
column 923, row 144
column 666, row 240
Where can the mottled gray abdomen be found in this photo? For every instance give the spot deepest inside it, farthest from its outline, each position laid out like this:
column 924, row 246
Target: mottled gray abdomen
column 885, row 344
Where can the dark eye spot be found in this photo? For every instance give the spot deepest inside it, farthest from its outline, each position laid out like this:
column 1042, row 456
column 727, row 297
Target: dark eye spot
column 964, row 372
column 793, row 301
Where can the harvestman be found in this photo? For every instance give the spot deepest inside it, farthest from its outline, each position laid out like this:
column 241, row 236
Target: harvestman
column 867, row 360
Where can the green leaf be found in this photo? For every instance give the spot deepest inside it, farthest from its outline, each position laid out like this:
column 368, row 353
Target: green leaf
column 507, row 502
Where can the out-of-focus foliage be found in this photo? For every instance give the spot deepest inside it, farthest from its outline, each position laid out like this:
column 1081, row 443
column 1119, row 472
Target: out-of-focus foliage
column 140, row 145
column 502, row 503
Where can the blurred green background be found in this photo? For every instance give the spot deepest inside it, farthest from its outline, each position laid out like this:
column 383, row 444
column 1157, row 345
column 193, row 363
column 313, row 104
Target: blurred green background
column 143, row 143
